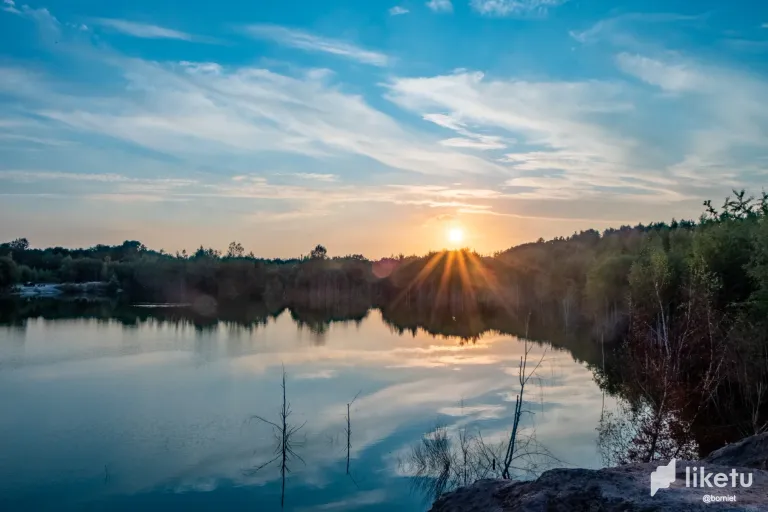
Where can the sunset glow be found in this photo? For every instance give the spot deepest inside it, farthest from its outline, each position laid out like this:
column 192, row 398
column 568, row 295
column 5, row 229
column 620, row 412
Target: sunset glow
column 455, row 235
column 320, row 129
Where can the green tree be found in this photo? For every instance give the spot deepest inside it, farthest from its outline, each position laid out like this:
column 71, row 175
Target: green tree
column 9, row 272
column 758, row 270
column 19, row 245
column 319, row 253
column 607, row 280
column 235, row 250
column 27, row 274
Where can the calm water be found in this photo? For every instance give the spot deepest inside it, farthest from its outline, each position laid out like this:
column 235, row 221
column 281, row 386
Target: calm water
column 95, row 415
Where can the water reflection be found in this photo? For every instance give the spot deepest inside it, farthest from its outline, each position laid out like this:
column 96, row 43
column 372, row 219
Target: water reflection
column 286, row 444
column 139, row 407
column 445, row 460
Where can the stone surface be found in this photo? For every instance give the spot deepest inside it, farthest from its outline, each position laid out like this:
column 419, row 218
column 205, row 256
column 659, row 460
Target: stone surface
column 751, row 452
column 621, row 489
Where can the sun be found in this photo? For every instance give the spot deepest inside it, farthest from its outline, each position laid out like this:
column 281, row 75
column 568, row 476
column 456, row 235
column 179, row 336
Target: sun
column 455, row 235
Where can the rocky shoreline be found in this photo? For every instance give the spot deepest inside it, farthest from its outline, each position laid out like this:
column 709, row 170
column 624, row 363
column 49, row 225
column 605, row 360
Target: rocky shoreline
column 623, row 488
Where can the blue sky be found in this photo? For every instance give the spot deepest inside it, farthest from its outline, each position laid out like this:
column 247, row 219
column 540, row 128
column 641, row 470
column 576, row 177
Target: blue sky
column 372, row 127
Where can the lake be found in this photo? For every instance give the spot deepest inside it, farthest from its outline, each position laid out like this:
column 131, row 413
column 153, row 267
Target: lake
column 108, row 414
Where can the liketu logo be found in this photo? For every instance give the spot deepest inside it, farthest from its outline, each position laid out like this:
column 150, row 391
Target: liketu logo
column 698, row 477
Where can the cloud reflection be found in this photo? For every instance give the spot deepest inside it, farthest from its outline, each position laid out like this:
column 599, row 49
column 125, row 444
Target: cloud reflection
column 165, row 406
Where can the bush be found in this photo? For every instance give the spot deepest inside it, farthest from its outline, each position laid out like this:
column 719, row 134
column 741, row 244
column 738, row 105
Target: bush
column 9, row 273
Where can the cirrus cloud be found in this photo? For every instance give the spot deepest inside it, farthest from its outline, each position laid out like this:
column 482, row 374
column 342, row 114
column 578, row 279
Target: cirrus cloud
column 306, row 41
column 142, row 30
column 514, row 7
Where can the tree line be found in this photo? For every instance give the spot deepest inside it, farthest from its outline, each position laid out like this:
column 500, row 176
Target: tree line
column 589, row 277
column 685, row 301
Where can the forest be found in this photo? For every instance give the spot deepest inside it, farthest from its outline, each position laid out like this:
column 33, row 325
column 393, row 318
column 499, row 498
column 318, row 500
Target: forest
column 682, row 305
column 589, row 277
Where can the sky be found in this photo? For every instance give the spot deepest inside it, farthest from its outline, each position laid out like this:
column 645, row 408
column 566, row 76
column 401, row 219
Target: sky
column 373, row 127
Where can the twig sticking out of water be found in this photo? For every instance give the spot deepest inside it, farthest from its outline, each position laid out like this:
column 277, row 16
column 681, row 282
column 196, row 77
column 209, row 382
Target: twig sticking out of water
column 523, row 377
column 443, row 461
column 348, row 430
column 284, row 435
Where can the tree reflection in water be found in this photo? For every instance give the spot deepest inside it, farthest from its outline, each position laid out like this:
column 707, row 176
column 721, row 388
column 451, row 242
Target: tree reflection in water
column 641, row 433
column 442, row 462
column 671, row 402
column 445, row 460
column 285, row 434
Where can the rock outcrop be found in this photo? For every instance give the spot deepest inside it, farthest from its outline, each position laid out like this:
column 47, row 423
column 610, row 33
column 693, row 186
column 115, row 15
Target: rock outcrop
column 751, row 452
column 623, row 488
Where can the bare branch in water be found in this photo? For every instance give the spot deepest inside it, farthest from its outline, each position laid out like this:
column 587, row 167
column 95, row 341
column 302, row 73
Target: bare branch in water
column 442, row 462
column 348, row 429
column 513, row 451
column 284, row 434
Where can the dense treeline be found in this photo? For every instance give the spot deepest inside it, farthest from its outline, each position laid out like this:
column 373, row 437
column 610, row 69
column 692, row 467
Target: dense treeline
column 587, row 277
column 145, row 275
column 249, row 316
column 687, row 301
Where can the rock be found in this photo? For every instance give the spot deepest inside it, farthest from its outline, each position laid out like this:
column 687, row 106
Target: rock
column 751, row 452
column 623, row 488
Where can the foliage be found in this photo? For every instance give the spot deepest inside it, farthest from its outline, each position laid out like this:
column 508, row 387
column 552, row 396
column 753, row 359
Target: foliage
column 318, row 253
column 9, row 272
column 689, row 296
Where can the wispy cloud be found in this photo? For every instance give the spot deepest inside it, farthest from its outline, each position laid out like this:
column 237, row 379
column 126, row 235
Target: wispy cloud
column 127, row 197
column 445, row 121
column 288, row 201
column 104, row 186
column 316, row 176
column 397, row 10
column 361, row 499
column 31, row 176
column 620, row 30
column 440, row 5
column 201, row 67
column 509, row 138
column 313, row 43
column 551, row 113
column 514, row 7
column 238, row 112
column 430, row 196
column 305, row 211
column 15, row 138
column 10, row 6
column 37, row 176
column 47, row 24
column 728, row 116
column 143, row 30
column 668, row 76
column 563, row 128
column 717, row 113
column 319, row 374
column 483, row 143
column 469, row 139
